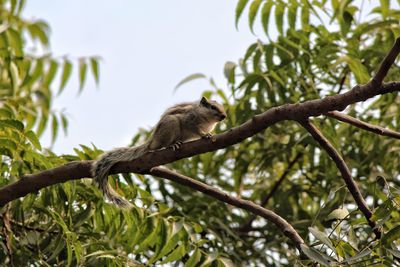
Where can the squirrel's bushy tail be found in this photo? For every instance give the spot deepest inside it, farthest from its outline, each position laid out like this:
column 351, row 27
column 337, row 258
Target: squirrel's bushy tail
column 101, row 168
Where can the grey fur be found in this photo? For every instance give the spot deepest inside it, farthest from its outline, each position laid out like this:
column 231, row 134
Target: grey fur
column 180, row 123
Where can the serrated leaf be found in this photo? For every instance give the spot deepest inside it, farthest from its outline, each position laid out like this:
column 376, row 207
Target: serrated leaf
column 54, row 129
column 265, row 14
column 279, row 10
column 64, row 123
column 51, row 73
column 385, row 7
column 314, row 254
column 82, row 73
column 42, row 125
column 94, row 64
column 358, row 256
column 338, row 214
column 66, row 74
column 194, row 259
column 38, row 31
column 178, row 253
column 305, row 16
column 229, row 71
column 14, row 41
column 33, row 139
column 392, row 235
column 15, row 124
column 239, row 10
column 292, row 14
column 253, row 12
column 358, row 69
column 14, row 74
column 321, row 236
column 8, row 143
column 226, row 262
column 189, row 78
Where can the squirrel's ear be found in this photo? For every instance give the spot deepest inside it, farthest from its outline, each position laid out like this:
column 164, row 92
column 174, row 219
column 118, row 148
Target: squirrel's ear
column 204, row 101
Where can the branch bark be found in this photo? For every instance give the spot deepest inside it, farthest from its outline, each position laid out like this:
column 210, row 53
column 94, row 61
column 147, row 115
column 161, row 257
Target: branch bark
column 298, row 112
column 269, row 215
column 345, row 172
column 363, row 125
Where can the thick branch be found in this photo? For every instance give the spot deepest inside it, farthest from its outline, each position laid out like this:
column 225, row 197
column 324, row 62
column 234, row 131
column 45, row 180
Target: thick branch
column 344, row 170
column 258, row 123
column 247, row 226
column 281, row 223
column 76, row 170
column 363, row 125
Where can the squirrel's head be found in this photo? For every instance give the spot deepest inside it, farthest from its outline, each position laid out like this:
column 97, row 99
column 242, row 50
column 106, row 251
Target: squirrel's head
column 213, row 108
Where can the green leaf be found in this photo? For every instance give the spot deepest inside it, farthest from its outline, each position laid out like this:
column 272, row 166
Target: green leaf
column 292, row 13
column 189, row 78
column 358, row 69
column 321, row 236
column 265, row 13
column 314, row 254
column 14, row 77
column 54, row 128
column 33, row 139
column 94, row 64
column 15, row 124
column 51, row 73
column 8, row 143
column 38, row 31
column 239, row 10
column 229, row 71
column 385, row 7
column 178, row 253
column 357, row 257
column 226, row 262
column 338, row 214
column 14, row 40
column 42, row 125
column 279, row 10
column 253, row 12
column 305, row 16
column 64, row 123
column 66, row 74
column 82, row 73
column 392, row 235
column 194, row 258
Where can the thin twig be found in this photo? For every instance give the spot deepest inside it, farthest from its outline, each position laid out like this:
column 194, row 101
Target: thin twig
column 344, row 170
column 363, row 125
column 247, row 226
column 269, row 215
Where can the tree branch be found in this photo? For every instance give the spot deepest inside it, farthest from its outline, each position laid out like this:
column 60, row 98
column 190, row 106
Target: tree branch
column 387, row 63
column 363, row 125
column 298, row 112
column 344, row 170
column 269, row 215
column 247, row 226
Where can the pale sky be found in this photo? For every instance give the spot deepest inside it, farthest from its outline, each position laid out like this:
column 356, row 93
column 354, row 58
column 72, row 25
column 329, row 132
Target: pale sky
column 147, row 48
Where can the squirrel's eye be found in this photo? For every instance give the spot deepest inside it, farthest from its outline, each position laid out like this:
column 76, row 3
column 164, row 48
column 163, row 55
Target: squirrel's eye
column 213, row 108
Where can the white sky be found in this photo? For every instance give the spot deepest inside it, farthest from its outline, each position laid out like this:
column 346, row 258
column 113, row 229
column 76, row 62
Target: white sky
column 147, row 48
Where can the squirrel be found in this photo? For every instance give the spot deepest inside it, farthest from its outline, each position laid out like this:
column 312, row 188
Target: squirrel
column 180, row 123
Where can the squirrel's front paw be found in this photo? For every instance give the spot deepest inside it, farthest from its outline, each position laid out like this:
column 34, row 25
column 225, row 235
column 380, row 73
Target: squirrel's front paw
column 207, row 136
